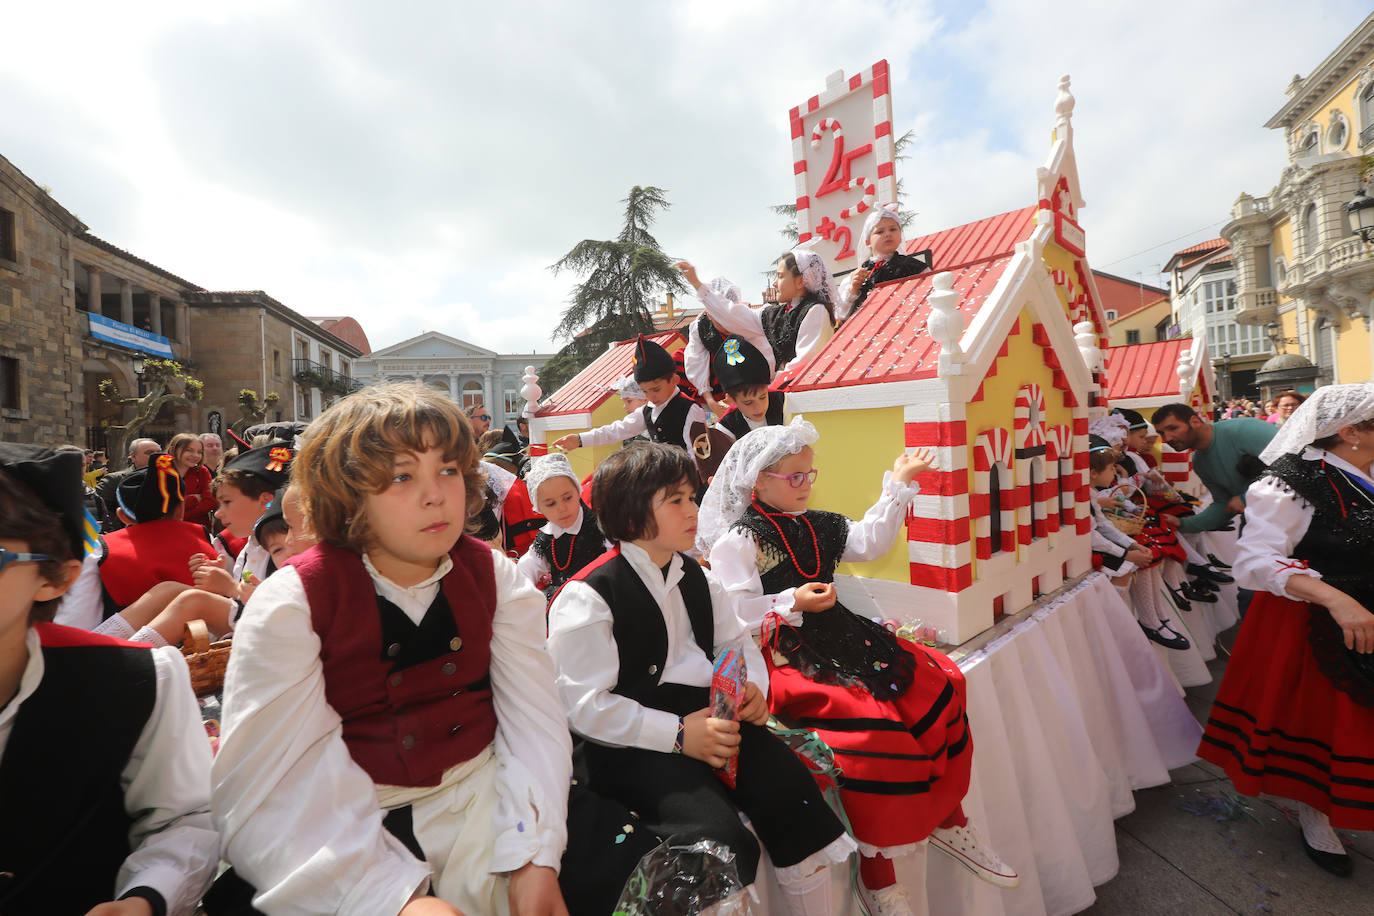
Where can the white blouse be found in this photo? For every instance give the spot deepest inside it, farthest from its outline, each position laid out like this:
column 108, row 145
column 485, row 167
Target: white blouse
column 738, row 318
column 301, row 820
column 743, row 322
column 734, row 557
column 1275, row 521
column 534, row 567
column 633, row 425
column 166, row 786
column 588, row 662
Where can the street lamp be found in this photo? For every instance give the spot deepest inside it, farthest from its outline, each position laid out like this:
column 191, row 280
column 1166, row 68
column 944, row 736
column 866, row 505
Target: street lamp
column 1359, row 212
column 138, row 364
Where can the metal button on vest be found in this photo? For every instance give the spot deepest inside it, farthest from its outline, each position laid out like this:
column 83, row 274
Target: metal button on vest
column 653, row 669
column 449, row 668
column 455, row 729
column 393, row 650
column 408, row 742
column 455, row 643
column 394, row 680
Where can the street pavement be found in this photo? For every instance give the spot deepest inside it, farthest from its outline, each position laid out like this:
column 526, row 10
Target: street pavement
column 1196, row 848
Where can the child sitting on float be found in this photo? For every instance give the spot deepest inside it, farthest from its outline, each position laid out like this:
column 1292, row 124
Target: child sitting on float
column 892, row 711
column 882, row 236
column 571, row 539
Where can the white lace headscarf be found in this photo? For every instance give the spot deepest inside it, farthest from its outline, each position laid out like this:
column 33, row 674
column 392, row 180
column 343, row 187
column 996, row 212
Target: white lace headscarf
column 885, row 211
column 814, row 273
column 498, row 478
column 629, row 388
column 546, row 467
column 725, row 289
column 1113, row 427
column 1321, row 415
column 733, row 486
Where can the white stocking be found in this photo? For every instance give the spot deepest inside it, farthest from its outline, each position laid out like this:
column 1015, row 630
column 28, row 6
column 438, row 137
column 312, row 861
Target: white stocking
column 1142, row 597
column 1172, row 572
column 1194, row 555
column 809, row 896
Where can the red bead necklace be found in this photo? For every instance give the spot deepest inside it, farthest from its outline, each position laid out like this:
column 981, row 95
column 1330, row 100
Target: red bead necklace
column 816, row 545
column 553, row 551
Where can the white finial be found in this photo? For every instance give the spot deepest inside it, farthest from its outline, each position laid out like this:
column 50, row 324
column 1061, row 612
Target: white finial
column 946, row 323
column 1063, row 102
column 1185, row 375
column 530, row 392
column 1085, row 337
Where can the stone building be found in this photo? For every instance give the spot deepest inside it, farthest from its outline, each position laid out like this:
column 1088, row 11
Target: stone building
column 1301, row 275
column 250, row 340
column 470, row 374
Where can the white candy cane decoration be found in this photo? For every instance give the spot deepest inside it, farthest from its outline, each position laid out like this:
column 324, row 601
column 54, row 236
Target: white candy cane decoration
column 821, row 127
column 870, row 195
column 870, row 188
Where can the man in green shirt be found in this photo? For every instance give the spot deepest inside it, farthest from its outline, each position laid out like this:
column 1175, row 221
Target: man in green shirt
column 1225, row 456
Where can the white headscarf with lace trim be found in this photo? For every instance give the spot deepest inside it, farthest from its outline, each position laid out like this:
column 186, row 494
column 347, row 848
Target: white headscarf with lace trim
column 884, row 211
column 547, row 467
column 814, row 272
column 1321, row 415
column 733, row 485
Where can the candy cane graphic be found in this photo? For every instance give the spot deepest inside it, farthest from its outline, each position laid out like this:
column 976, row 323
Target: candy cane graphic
column 870, row 194
column 821, row 127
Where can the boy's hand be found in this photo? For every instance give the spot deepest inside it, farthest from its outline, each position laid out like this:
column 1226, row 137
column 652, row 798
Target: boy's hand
column 213, row 578
column 690, row 273
column 249, row 586
column 196, row 561
column 132, row 906
column 1140, row 556
column 716, row 407
column 755, row 708
column 569, row 442
column 429, row 906
column 710, row 740
column 908, row 466
column 534, row 892
column 813, row 597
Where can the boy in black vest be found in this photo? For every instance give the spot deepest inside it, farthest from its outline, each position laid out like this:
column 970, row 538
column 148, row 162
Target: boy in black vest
column 744, row 374
column 669, row 415
column 104, row 766
column 633, row 638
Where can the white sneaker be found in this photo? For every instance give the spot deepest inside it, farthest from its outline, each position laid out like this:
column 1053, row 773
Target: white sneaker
column 965, row 846
column 890, row 901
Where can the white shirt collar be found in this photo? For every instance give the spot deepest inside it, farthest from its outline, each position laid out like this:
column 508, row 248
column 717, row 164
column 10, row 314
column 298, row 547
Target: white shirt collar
column 650, row 571
column 386, row 588
column 1318, row 454
column 574, row 528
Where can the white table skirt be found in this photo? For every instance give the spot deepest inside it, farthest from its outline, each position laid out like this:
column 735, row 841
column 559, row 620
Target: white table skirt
column 1071, row 710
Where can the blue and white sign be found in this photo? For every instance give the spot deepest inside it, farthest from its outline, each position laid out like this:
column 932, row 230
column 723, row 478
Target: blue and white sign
column 126, row 335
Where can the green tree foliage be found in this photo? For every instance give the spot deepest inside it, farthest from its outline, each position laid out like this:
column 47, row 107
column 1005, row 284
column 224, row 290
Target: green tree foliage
column 251, row 409
column 167, row 384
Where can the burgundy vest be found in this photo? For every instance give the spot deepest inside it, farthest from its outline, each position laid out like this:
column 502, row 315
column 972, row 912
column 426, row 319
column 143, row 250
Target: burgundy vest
column 406, row 727
column 140, row 556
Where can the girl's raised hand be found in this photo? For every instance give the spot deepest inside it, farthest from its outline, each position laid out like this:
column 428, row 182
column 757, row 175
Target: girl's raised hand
column 813, row 597
column 907, row 466
column 690, row 273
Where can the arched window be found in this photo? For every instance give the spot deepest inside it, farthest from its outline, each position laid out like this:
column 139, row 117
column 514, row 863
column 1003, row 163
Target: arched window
column 472, row 394
column 1309, row 229
column 1367, row 114
column 1337, row 134
column 995, row 506
column 1309, row 142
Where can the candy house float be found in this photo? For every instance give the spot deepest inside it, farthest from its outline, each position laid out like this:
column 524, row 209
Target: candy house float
column 991, row 360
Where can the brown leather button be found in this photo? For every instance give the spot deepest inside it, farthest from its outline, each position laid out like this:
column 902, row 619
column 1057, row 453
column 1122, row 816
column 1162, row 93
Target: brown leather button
column 408, row 742
column 455, row 643
column 393, row 650
column 448, row 668
column 394, row 680
column 653, row 669
column 455, row 729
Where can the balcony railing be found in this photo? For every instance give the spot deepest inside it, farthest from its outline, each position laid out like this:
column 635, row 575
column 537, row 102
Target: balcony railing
column 317, row 375
column 1367, row 135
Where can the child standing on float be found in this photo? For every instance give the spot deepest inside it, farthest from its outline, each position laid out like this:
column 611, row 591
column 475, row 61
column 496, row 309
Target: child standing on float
column 892, row 711
column 391, row 726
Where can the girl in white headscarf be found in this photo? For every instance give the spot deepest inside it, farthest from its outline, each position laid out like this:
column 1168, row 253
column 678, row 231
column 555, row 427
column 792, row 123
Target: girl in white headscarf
column 891, row 710
column 1295, row 714
column 880, row 247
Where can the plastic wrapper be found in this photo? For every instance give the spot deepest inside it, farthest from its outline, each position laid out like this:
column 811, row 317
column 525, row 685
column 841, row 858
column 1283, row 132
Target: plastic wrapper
column 680, row 879
column 729, row 681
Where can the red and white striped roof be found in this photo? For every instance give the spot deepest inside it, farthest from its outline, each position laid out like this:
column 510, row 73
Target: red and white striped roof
column 1145, row 370
column 886, row 341
column 590, row 388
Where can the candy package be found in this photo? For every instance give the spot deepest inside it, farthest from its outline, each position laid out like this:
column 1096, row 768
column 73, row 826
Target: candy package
column 684, row 880
column 728, row 683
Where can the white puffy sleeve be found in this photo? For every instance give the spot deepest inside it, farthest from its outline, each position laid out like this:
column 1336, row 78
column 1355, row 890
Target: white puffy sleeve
column 696, row 361
column 297, row 816
column 1276, row 519
column 82, row 605
column 738, row 319
column 632, row 424
column 731, row 632
column 734, row 564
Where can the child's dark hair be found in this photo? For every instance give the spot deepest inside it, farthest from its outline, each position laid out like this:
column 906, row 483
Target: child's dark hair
column 272, row 526
column 627, row 482
column 246, row 482
column 789, row 260
column 744, row 390
column 1103, row 458
column 24, row 517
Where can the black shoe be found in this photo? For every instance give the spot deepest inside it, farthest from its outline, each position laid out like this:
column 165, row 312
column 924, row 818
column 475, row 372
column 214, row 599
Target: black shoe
column 1180, row 602
column 1208, row 573
column 1338, row 865
column 1212, row 558
column 1193, row 593
column 1207, row 585
column 1166, row 637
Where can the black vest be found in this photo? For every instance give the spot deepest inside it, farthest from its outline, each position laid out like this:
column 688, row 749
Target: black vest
column 1340, row 540
column 641, row 636
column 735, row 422
column 668, row 427
column 896, row 267
column 568, row 551
column 782, row 323
column 777, row 572
column 65, row 833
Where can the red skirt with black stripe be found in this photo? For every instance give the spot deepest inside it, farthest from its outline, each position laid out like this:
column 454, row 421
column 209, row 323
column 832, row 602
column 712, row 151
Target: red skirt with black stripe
column 1280, row 727
column 906, row 762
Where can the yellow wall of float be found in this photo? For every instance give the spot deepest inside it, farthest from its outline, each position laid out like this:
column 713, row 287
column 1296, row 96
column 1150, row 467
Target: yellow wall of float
column 1023, row 365
column 855, row 448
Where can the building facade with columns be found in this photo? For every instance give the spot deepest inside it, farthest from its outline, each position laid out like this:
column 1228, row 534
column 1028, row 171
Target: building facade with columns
column 470, row 374
column 1300, row 272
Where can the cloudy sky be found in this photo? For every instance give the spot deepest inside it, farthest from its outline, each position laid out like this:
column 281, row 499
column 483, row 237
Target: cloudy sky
column 418, row 165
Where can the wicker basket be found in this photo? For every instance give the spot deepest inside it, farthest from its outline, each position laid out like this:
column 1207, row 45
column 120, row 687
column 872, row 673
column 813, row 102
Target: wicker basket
column 206, row 660
column 1128, row 522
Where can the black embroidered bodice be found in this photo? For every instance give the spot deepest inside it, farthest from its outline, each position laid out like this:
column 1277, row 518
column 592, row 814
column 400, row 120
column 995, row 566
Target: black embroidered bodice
column 894, row 267
column 781, row 325
column 671, row 420
column 776, row 569
column 1339, row 542
column 567, row 554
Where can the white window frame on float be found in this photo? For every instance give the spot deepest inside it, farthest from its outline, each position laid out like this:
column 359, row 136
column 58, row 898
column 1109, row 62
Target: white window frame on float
column 842, row 153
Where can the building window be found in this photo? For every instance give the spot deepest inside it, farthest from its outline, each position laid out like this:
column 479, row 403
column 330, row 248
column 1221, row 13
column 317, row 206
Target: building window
column 1218, row 296
column 1309, row 229
column 1367, row 115
column 7, row 243
column 276, row 363
column 472, row 394
column 995, row 506
column 1111, row 314
column 513, row 402
column 9, row 383
column 1133, row 337
column 1337, row 134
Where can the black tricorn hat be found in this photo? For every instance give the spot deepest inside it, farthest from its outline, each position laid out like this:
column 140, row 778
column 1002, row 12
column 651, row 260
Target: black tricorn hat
column 652, row 361
column 739, row 364
column 1133, row 418
column 271, row 462
column 55, row 479
column 152, row 492
column 1097, row 443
